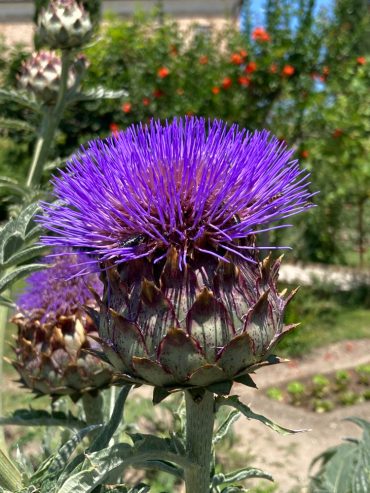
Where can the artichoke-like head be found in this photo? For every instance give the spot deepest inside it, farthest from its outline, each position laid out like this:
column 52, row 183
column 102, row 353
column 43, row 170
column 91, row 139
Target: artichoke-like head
column 173, row 213
column 64, row 24
column 210, row 322
column 52, row 347
column 41, row 74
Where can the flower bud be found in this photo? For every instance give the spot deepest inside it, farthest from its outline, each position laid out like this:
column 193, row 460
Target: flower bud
column 41, row 74
column 64, row 24
column 52, row 348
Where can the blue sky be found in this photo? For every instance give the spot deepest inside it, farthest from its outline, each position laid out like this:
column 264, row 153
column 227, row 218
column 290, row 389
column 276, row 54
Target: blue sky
column 257, row 8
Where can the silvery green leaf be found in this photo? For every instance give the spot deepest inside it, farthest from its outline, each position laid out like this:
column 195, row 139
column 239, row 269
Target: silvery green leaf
column 107, row 432
column 10, row 477
column 8, row 279
column 240, row 475
column 56, row 163
column 42, row 470
column 113, row 460
column 14, row 124
column 65, row 452
column 12, row 187
column 98, row 93
column 225, row 426
column 5, row 301
column 39, row 417
column 96, row 468
column 22, row 98
column 346, row 467
column 161, row 465
column 28, row 253
column 234, row 489
column 233, row 401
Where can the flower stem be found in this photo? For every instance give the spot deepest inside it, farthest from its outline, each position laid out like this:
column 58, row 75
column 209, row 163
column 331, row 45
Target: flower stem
column 50, row 121
column 4, row 313
column 200, row 417
column 93, row 407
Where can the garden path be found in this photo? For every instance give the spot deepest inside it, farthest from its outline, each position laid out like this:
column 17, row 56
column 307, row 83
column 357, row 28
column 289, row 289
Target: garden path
column 288, row 458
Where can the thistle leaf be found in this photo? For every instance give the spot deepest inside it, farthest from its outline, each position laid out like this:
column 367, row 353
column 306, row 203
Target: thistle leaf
column 62, row 458
column 97, row 93
column 22, row 98
column 225, row 426
column 8, row 279
column 14, row 124
column 233, row 401
column 10, row 477
column 107, row 432
column 240, row 475
column 38, row 417
column 346, row 467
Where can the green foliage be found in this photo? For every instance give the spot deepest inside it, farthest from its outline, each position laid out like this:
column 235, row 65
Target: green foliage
column 38, row 417
column 234, row 402
column 346, row 467
column 326, row 316
column 320, row 385
column 18, row 250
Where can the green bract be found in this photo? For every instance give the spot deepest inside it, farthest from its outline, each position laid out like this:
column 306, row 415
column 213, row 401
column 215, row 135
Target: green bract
column 206, row 325
column 41, row 75
column 64, row 24
column 53, row 358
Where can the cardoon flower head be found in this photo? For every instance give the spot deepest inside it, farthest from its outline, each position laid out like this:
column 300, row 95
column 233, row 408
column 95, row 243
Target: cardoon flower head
column 172, row 213
column 51, row 345
column 195, row 186
column 58, row 290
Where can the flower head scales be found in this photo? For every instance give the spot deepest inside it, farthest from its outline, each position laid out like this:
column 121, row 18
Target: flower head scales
column 194, row 185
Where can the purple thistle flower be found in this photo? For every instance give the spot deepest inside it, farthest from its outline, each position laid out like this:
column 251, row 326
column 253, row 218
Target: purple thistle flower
column 193, row 185
column 58, row 290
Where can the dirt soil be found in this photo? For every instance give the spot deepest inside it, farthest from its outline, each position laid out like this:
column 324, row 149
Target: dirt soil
column 288, row 458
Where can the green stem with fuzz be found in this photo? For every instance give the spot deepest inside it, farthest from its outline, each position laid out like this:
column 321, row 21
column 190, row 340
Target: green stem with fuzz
column 93, row 408
column 49, row 124
column 200, row 416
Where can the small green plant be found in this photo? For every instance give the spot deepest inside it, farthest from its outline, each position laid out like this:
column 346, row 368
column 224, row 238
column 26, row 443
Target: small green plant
column 342, row 379
column 323, row 405
column 321, row 385
column 348, row 398
column 363, row 372
column 275, row 394
column 296, row 390
column 366, row 395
